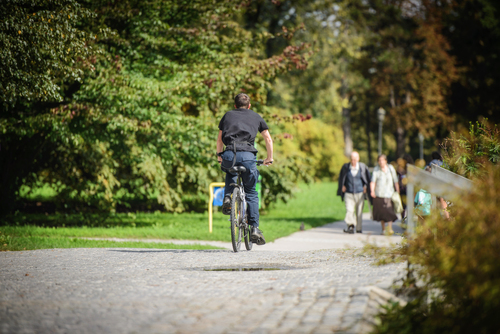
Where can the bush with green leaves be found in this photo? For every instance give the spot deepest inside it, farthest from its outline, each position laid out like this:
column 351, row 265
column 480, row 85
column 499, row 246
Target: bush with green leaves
column 469, row 154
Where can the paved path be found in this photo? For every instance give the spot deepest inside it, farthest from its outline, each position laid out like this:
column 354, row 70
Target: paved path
column 171, row 291
column 332, row 236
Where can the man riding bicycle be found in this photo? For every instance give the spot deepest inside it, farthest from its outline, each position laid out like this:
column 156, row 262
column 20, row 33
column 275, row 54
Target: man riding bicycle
column 237, row 131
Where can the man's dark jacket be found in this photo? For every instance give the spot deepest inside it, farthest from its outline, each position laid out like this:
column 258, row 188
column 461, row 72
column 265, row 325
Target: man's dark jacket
column 365, row 178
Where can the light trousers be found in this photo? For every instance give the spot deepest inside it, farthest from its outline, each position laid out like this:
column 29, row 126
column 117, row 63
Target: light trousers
column 354, row 204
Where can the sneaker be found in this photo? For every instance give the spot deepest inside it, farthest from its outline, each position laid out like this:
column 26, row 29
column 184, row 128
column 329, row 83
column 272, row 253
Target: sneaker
column 226, row 205
column 359, row 231
column 257, row 237
column 350, row 229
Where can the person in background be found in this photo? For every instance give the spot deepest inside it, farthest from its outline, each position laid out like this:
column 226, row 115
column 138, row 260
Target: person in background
column 437, row 159
column 401, row 171
column 383, row 184
column 354, row 181
column 423, row 204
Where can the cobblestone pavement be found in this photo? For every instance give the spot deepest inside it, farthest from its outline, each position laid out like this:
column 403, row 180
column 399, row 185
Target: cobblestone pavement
column 169, row 291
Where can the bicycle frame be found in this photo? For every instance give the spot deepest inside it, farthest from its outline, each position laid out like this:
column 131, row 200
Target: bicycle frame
column 239, row 219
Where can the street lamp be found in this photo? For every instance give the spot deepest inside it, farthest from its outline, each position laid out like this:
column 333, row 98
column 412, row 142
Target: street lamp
column 421, row 138
column 381, row 115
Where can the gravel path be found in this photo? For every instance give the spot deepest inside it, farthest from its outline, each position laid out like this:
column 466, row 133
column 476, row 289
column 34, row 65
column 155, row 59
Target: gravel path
column 169, row 291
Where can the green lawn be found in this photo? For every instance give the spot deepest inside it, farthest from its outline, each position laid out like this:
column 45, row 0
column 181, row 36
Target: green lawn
column 314, row 205
column 28, row 242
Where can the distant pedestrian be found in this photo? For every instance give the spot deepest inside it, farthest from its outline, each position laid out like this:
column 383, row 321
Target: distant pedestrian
column 401, row 170
column 354, row 181
column 437, row 159
column 383, row 184
column 423, row 204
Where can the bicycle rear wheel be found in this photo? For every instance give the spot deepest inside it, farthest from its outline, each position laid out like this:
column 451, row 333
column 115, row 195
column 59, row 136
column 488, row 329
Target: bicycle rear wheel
column 248, row 242
column 235, row 216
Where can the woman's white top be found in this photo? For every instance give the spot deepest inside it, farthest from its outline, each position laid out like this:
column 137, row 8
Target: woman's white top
column 384, row 181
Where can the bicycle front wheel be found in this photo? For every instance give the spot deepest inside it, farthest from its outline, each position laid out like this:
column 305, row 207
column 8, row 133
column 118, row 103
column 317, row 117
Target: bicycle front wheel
column 235, row 216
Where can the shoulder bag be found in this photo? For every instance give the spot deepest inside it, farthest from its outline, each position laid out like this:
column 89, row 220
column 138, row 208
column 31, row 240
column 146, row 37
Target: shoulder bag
column 396, row 199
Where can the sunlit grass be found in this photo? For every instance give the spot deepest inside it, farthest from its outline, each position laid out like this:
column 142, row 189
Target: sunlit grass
column 314, row 205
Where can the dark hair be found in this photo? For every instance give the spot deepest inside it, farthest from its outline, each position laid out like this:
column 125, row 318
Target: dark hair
column 242, row 100
column 436, row 156
column 382, row 156
column 409, row 159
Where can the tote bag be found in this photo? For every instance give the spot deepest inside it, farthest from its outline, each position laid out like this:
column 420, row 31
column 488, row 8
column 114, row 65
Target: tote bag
column 396, row 199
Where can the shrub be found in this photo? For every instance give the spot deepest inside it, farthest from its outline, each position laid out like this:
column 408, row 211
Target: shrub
column 318, row 143
column 469, row 154
column 455, row 280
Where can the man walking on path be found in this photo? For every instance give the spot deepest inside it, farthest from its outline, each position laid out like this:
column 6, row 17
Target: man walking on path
column 354, row 180
column 237, row 130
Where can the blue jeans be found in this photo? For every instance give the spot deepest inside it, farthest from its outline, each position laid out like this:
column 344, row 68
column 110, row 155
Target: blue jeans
column 249, row 178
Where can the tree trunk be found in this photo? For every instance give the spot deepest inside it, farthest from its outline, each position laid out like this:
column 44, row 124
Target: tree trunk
column 368, row 137
column 400, row 136
column 346, row 126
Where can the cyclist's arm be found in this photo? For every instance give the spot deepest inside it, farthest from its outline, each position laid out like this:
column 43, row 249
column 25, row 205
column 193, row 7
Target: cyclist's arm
column 220, row 146
column 269, row 147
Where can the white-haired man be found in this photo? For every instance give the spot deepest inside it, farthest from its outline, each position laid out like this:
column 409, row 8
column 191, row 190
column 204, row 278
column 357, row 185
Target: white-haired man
column 354, row 180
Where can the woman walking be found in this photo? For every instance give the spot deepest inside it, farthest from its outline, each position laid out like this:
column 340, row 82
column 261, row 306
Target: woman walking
column 383, row 184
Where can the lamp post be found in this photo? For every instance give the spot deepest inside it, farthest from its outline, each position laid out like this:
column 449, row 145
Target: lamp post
column 421, row 138
column 380, row 115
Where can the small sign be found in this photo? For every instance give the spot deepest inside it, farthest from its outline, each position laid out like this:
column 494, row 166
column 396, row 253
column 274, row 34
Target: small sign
column 218, row 196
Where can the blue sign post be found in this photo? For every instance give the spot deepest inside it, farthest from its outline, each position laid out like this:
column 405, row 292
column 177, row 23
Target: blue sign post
column 216, row 191
column 218, row 196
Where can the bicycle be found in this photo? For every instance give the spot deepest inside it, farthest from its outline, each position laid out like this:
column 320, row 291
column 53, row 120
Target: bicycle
column 238, row 217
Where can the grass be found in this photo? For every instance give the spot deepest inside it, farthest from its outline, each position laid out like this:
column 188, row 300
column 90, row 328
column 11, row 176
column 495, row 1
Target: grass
column 19, row 243
column 314, row 205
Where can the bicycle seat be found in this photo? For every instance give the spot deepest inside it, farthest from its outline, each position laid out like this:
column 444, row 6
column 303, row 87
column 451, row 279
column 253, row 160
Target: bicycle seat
column 238, row 169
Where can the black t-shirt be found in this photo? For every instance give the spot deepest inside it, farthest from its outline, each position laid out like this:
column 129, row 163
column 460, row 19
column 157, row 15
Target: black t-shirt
column 241, row 125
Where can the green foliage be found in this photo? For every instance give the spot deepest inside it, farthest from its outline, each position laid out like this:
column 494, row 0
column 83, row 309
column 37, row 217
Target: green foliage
column 43, row 46
column 407, row 66
column 142, row 123
column 318, row 90
column 319, row 144
column 470, row 154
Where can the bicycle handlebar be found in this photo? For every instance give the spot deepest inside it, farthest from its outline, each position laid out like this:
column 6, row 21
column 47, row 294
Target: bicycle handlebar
column 261, row 162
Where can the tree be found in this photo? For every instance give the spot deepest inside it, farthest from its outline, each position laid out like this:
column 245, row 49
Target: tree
column 143, row 122
column 407, row 63
column 42, row 46
column 472, row 28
